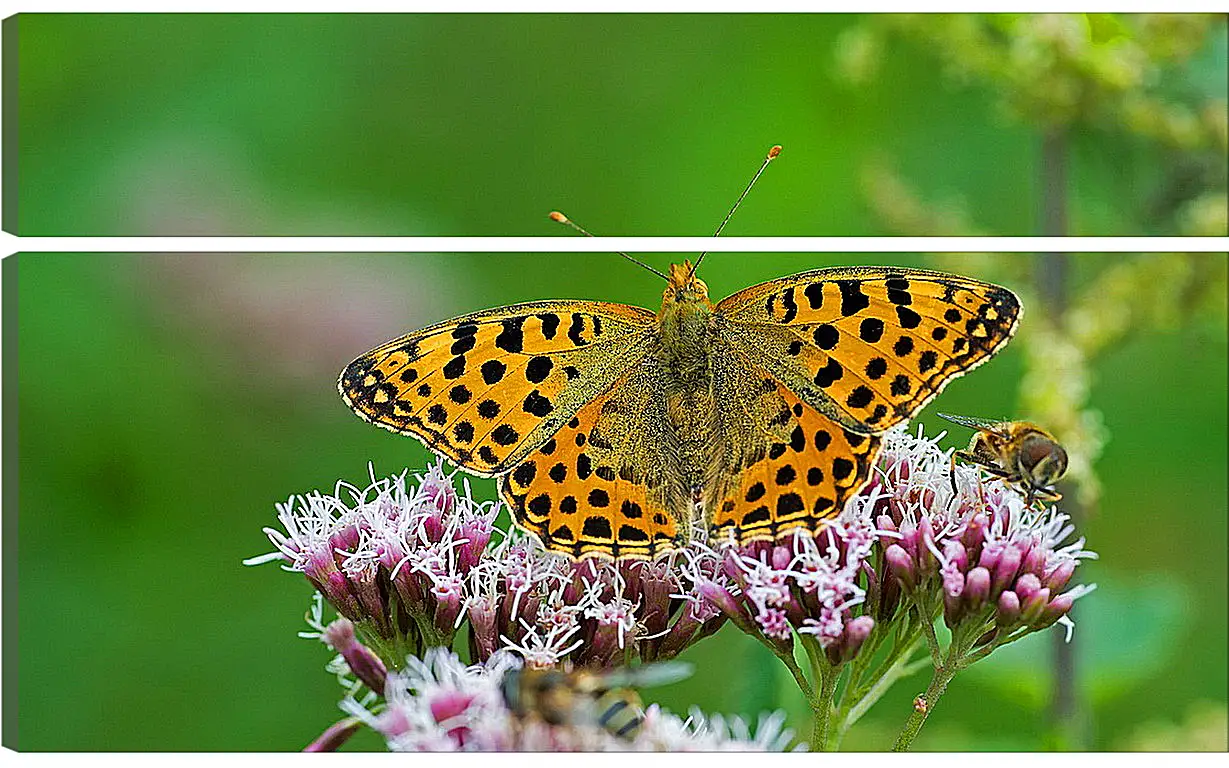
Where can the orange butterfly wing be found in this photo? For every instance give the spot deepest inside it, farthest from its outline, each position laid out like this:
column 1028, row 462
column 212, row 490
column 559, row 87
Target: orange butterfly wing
column 486, row 389
column 870, row 346
column 851, row 352
column 598, row 487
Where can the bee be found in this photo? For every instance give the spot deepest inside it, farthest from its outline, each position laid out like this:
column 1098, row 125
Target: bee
column 1019, row 452
column 583, row 697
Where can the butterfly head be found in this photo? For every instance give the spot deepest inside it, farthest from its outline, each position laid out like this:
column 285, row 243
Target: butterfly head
column 685, row 287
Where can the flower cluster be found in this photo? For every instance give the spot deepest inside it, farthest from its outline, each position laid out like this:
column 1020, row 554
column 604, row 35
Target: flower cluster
column 439, row 704
column 409, row 565
column 409, row 568
column 590, row 613
column 989, row 553
column 393, row 559
column 810, row 587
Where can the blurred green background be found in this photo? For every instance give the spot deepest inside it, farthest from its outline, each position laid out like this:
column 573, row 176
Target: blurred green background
column 166, row 402
column 632, row 124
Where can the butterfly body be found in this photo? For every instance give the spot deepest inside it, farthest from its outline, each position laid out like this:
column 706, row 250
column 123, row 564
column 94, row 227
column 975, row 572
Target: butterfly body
column 617, row 431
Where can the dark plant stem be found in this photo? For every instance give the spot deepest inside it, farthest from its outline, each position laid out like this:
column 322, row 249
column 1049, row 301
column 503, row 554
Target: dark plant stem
column 1053, row 279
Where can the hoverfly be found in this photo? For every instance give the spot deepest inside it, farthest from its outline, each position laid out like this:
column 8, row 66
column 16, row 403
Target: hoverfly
column 1019, row 452
column 584, row 697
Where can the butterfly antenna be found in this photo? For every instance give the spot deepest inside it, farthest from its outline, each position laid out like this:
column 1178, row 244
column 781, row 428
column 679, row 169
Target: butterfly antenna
column 559, row 217
column 772, row 155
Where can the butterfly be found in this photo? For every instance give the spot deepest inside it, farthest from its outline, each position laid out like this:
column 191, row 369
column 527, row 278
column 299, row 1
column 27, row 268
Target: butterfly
column 614, row 429
column 1019, row 452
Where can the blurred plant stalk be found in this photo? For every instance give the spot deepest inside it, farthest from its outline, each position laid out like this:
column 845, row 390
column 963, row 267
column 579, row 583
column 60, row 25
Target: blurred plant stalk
column 1063, row 73
column 1068, row 713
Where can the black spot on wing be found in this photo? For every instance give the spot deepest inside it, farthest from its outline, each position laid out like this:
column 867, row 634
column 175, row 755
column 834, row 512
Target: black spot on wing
column 576, row 328
column 596, row 527
column 537, row 405
column 907, row 317
column 853, row 300
column 538, row 369
column 815, row 295
column 871, row 330
column 791, row 307
column 511, row 339
column 826, row 336
column 550, row 324
column 493, row 371
column 831, row 372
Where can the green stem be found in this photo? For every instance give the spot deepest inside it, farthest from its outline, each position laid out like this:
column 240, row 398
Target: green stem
column 906, row 644
column 898, row 668
column 862, row 662
column 826, row 677
column 926, row 619
column 800, row 678
column 958, row 657
column 923, row 707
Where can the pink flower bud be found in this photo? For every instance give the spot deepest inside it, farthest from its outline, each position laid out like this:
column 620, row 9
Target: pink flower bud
column 974, row 533
column 856, row 632
column 990, row 554
column 477, row 534
column 1060, row 575
column 1008, row 614
column 335, row 735
column 795, row 612
column 1034, row 561
column 439, row 492
column 604, row 646
column 448, row 706
column 433, row 526
column 730, row 566
column 365, row 665
column 953, row 608
column 322, row 570
column 927, row 565
column 1005, row 570
column 410, row 589
column 655, row 597
column 393, row 723
column 362, row 577
column 1032, row 606
column 448, row 592
column 344, row 539
column 889, row 599
column 485, row 636
column 953, row 580
column 977, row 587
column 1054, row 610
column 956, row 555
column 901, row 566
column 1026, row 586
column 909, row 538
column 781, row 557
column 719, row 596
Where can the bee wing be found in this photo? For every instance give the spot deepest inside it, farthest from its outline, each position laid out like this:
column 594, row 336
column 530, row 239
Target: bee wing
column 972, row 422
column 649, row 675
